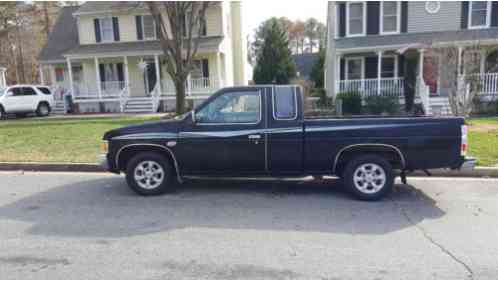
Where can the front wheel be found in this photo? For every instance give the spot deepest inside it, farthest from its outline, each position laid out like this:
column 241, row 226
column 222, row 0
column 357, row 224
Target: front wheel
column 149, row 174
column 42, row 110
column 369, row 177
column 2, row 113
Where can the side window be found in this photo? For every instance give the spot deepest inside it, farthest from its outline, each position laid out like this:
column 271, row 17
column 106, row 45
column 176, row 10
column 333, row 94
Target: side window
column 17, row 92
column 284, row 103
column 27, row 91
column 236, row 107
column 44, row 90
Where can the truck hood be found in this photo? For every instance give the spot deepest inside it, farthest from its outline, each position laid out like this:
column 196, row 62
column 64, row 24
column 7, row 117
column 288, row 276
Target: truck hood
column 163, row 126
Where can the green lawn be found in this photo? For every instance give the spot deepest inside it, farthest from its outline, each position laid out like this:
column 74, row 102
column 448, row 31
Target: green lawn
column 77, row 140
column 57, row 140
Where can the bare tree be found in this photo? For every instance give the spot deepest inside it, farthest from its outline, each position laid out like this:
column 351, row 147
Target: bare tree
column 179, row 25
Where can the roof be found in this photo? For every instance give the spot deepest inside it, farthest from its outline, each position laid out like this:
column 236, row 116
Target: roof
column 63, row 37
column 210, row 43
column 305, row 63
column 373, row 41
column 95, row 7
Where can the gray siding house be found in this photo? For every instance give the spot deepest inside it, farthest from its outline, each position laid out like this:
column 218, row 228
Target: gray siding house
column 388, row 48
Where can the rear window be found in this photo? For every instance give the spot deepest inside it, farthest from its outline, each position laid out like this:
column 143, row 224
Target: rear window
column 284, row 103
column 44, row 90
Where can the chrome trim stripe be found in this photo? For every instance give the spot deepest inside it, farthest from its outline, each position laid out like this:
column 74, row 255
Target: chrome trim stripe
column 155, row 145
column 402, row 157
column 357, row 127
column 147, row 136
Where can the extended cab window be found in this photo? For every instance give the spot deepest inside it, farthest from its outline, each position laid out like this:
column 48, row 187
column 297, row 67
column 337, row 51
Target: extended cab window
column 232, row 108
column 284, row 103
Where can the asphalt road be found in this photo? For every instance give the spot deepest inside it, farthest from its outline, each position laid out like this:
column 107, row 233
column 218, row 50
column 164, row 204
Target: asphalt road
column 91, row 226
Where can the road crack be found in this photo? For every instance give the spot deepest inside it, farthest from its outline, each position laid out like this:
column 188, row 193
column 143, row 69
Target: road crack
column 431, row 240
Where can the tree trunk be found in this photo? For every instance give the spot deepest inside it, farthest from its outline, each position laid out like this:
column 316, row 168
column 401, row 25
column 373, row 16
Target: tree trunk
column 180, row 96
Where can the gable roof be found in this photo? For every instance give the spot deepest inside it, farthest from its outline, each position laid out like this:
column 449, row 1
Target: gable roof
column 305, row 63
column 96, row 7
column 63, row 37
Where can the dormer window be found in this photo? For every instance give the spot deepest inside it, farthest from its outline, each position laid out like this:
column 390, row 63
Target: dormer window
column 479, row 14
column 390, row 17
column 355, row 19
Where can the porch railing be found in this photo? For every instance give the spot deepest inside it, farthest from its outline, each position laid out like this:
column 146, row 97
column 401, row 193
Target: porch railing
column 370, row 87
column 111, row 89
column 486, row 82
column 196, row 86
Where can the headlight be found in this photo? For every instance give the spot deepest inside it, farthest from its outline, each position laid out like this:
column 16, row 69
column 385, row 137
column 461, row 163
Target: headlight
column 104, row 147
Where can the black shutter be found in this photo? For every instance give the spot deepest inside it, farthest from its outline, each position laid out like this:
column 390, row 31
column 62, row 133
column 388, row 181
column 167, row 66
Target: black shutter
column 205, row 68
column 373, row 17
column 138, row 21
column 119, row 67
column 158, row 31
column 342, row 20
column 343, row 69
column 115, row 27
column 102, row 72
column 401, row 66
column 494, row 13
column 404, row 16
column 371, row 67
column 96, row 24
column 464, row 20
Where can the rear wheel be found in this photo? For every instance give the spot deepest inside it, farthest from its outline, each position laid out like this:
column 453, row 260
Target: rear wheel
column 42, row 110
column 149, row 174
column 2, row 113
column 368, row 177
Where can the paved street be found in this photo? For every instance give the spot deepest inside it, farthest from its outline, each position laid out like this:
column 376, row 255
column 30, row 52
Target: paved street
column 91, row 226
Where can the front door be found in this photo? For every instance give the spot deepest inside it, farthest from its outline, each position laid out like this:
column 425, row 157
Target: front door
column 150, row 78
column 227, row 137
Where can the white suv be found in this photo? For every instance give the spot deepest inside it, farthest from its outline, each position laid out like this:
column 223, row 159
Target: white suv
column 23, row 99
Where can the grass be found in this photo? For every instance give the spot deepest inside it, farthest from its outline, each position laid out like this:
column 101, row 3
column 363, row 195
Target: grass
column 57, row 140
column 77, row 140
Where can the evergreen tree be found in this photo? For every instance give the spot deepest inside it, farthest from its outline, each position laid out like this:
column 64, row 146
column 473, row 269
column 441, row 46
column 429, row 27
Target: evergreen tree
column 274, row 63
column 317, row 72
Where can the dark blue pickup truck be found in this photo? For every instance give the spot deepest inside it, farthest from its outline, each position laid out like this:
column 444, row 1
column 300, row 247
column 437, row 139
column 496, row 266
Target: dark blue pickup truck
column 262, row 131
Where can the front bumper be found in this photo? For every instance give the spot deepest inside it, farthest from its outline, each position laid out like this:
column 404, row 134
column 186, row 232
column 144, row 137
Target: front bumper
column 468, row 164
column 103, row 162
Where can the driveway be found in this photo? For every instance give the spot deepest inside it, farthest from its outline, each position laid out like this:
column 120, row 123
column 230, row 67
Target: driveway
column 56, row 225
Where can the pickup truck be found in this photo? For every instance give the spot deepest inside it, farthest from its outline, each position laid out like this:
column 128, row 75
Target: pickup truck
column 262, row 131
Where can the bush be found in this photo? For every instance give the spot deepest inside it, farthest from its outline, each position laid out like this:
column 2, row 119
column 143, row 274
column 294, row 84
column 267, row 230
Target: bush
column 496, row 107
column 382, row 105
column 351, row 102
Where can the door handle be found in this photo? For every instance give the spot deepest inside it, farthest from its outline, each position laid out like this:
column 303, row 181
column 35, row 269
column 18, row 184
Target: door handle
column 254, row 137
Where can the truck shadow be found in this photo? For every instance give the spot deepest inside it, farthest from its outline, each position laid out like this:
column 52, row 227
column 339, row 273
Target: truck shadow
column 107, row 208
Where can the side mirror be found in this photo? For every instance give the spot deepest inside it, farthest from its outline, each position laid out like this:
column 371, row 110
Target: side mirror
column 193, row 116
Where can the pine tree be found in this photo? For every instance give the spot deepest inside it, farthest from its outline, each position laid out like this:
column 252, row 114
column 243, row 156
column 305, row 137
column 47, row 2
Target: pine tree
column 274, row 63
column 317, row 72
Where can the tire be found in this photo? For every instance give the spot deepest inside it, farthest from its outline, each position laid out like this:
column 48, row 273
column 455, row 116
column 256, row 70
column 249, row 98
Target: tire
column 369, row 177
column 142, row 178
column 42, row 110
column 3, row 115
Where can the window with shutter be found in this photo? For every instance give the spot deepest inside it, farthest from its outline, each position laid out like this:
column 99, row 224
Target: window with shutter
column 355, row 19
column 106, row 30
column 390, row 19
column 479, row 14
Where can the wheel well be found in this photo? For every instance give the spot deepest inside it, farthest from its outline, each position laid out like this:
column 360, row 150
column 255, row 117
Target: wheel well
column 391, row 154
column 128, row 152
column 45, row 103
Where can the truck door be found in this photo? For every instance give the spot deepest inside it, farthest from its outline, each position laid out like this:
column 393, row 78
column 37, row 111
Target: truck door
column 285, row 131
column 227, row 136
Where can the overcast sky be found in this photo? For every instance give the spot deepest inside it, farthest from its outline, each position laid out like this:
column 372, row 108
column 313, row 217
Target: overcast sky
column 254, row 11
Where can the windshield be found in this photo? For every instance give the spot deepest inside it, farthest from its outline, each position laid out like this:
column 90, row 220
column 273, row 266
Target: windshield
column 2, row 92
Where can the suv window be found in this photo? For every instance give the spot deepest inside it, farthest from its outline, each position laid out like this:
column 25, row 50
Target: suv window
column 44, row 90
column 28, row 91
column 235, row 107
column 16, row 92
column 284, row 103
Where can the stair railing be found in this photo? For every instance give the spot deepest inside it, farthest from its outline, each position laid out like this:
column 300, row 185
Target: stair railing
column 124, row 95
column 423, row 93
column 155, row 97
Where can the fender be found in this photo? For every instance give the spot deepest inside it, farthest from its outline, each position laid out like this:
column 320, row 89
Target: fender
column 392, row 147
column 175, row 163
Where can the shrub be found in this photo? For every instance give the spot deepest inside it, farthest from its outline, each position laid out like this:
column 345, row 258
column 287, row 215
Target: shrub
column 351, row 102
column 382, row 105
column 496, row 107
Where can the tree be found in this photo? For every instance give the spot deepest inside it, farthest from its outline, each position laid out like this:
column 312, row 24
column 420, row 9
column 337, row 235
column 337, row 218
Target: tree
column 179, row 24
column 311, row 32
column 299, row 36
column 274, row 63
column 317, row 72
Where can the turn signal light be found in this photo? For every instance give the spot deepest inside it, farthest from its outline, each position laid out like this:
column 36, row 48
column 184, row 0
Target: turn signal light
column 464, row 146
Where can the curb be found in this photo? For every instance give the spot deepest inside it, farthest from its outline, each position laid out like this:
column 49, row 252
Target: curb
column 478, row 172
column 50, row 167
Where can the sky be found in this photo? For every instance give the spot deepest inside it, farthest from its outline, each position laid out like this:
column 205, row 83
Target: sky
column 255, row 12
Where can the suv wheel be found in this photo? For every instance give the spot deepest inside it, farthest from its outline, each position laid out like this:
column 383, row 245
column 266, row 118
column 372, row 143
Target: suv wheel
column 42, row 110
column 149, row 174
column 2, row 113
column 369, row 177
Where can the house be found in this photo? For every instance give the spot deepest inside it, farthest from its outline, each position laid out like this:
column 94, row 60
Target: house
column 106, row 56
column 304, row 64
column 388, row 48
column 3, row 80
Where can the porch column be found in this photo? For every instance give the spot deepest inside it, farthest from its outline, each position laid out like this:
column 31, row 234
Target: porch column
column 52, row 75
column 421, row 65
column 459, row 61
column 218, row 69
column 337, row 73
column 42, row 79
column 158, row 77
column 482, row 68
column 97, row 75
column 70, row 71
column 379, row 71
column 126, row 74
